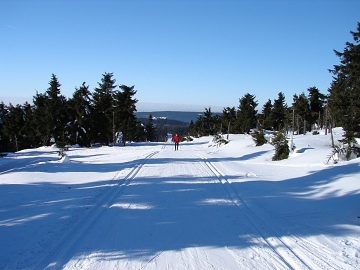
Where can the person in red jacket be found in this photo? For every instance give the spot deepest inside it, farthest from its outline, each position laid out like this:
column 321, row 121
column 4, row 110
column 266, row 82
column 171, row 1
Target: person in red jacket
column 176, row 140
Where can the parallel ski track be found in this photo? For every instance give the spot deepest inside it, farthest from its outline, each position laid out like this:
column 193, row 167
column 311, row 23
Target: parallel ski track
column 61, row 251
column 283, row 247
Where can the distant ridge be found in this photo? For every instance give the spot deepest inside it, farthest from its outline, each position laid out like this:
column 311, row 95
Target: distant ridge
column 173, row 115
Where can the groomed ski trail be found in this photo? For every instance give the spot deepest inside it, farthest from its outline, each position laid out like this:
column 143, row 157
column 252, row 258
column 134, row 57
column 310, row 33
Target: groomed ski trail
column 181, row 212
column 62, row 250
column 292, row 250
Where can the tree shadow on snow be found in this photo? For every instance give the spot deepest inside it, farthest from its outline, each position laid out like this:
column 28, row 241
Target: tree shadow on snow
column 155, row 214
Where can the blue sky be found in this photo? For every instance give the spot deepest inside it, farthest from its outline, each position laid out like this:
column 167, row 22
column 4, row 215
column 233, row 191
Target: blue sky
column 178, row 54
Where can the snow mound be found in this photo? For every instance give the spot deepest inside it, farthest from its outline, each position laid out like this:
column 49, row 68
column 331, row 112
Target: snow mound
column 64, row 159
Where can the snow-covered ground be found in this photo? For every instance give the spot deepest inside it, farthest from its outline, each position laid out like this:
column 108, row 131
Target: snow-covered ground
column 146, row 206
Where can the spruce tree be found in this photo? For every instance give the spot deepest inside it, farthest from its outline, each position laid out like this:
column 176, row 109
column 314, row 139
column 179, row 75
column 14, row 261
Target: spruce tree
column 247, row 113
column 344, row 98
column 316, row 103
column 124, row 112
column 150, row 130
column 301, row 109
column 209, row 123
column 4, row 139
column 228, row 120
column 280, row 143
column 29, row 140
column 41, row 120
column 279, row 112
column 265, row 117
column 56, row 107
column 79, row 127
column 14, row 124
column 103, row 110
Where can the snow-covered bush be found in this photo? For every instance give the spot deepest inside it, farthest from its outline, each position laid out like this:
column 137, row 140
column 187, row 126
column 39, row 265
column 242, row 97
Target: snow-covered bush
column 344, row 152
column 259, row 138
column 281, row 146
column 218, row 140
column 187, row 139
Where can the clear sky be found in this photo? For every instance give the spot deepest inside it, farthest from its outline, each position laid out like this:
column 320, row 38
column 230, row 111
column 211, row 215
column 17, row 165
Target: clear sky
column 191, row 52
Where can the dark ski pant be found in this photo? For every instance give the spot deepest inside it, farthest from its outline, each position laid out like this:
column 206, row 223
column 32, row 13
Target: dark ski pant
column 176, row 146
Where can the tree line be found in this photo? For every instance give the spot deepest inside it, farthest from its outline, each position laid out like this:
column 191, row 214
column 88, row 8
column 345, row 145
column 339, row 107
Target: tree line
column 98, row 117
column 311, row 111
column 307, row 112
column 84, row 119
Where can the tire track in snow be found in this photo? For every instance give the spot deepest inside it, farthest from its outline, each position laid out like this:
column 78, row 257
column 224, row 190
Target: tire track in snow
column 60, row 253
column 283, row 247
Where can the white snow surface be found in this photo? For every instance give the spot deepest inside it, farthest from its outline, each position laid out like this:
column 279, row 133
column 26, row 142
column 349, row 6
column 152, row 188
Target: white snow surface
column 146, row 206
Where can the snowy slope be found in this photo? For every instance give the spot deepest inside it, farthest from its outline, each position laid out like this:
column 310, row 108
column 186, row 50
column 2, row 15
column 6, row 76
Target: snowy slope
column 146, row 206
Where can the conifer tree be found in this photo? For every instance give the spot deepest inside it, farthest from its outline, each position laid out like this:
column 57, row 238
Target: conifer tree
column 49, row 115
column 344, row 98
column 124, row 112
column 265, row 117
column 302, row 111
column 56, row 111
column 79, row 127
column 13, row 126
column 316, row 103
column 279, row 112
column 150, row 130
column 199, row 126
column 280, row 143
column 103, row 113
column 209, row 122
column 246, row 114
column 29, row 140
column 228, row 120
column 42, row 130
column 4, row 139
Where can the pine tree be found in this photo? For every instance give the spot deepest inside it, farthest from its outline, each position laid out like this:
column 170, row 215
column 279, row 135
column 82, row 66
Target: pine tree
column 281, row 146
column 228, row 120
column 209, row 123
column 29, row 140
column 4, row 139
column 50, row 114
column 56, row 109
column 265, row 117
column 344, row 98
column 301, row 109
column 79, row 127
column 41, row 120
column 150, row 130
column 247, row 113
column 13, row 126
column 279, row 112
column 103, row 113
column 124, row 112
column 316, row 102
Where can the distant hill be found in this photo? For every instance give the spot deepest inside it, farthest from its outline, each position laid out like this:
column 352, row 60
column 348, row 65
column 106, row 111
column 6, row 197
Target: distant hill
column 171, row 115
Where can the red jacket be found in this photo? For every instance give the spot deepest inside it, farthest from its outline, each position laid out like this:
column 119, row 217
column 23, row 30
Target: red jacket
column 176, row 138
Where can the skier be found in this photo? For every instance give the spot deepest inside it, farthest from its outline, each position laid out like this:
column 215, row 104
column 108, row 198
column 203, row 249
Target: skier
column 176, row 140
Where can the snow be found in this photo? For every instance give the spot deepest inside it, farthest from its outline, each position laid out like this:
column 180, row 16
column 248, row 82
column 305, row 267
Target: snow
column 146, row 206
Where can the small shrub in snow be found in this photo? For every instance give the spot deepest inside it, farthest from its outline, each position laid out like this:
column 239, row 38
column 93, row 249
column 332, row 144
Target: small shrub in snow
column 187, row 139
column 218, row 140
column 281, row 146
column 344, row 152
column 259, row 138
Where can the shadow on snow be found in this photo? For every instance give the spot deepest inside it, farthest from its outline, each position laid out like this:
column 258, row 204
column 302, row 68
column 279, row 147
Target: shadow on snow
column 158, row 214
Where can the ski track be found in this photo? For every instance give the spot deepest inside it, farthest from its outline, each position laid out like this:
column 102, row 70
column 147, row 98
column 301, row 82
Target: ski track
column 272, row 249
column 59, row 255
column 292, row 250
